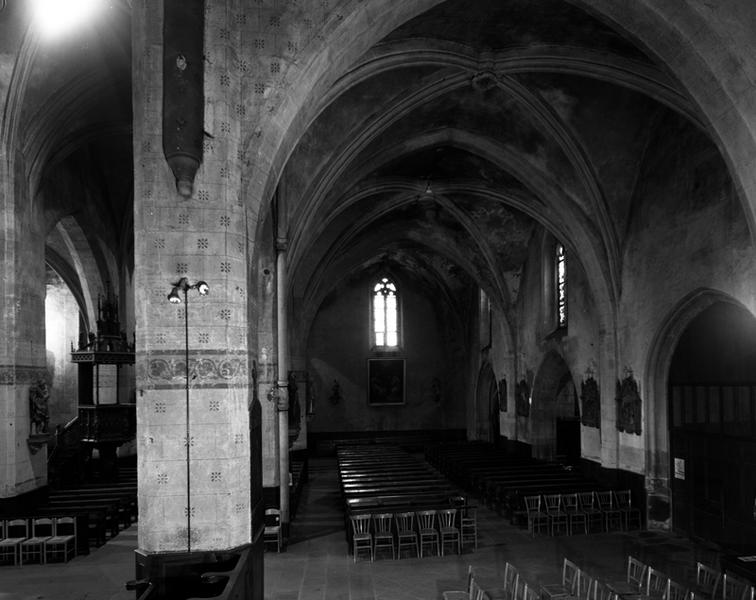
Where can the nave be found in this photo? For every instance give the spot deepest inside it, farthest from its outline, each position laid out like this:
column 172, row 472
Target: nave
column 318, row 565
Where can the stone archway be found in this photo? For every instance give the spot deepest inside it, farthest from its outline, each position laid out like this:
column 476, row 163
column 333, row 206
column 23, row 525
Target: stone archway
column 659, row 473
column 712, row 425
column 554, row 413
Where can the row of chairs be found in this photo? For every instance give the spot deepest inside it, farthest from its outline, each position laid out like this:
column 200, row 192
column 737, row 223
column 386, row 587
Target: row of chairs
column 38, row 540
column 646, row 582
column 605, row 510
column 422, row 531
column 515, row 587
column 577, row 584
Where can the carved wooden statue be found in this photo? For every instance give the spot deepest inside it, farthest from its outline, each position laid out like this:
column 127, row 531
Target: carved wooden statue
column 38, row 409
column 629, row 405
column 591, row 403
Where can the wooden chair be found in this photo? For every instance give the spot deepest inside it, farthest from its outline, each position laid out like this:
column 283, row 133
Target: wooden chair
column 602, row 591
column 568, row 587
column 362, row 539
column 575, row 516
column 708, row 580
column 272, row 533
column 656, row 583
column 33, row 548
column 468, row 522
column 633, row 587
column 406, row 536
column 675, row 591
column 383, row 536
column 426, row 525
column 611, row 514
column 14, row 532
column 467, row 593
column 62, row 546
column 447, row 530
column 733, row 588
column 511, row 579
column 629, row 514
column 592, row 512
column 586, row 587
column 536, row 516
column 529, row 593
column 558, row 519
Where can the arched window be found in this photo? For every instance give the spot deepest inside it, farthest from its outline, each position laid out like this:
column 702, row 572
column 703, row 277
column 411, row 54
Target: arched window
column 385, row 314
column 560, row 285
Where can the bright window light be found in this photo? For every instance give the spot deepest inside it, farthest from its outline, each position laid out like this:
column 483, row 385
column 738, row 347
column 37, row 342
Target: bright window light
column 56, row 17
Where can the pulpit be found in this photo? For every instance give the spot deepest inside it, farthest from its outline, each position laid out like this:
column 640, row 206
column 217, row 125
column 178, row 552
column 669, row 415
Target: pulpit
column 106, row 420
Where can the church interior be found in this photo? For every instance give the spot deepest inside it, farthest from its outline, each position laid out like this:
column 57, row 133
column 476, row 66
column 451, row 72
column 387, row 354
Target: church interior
column 251, row 246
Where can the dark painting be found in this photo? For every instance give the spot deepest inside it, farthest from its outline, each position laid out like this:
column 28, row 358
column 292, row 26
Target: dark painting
column 385, row 381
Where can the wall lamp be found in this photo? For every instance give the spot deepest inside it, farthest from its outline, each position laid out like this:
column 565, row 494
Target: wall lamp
column 183, row 286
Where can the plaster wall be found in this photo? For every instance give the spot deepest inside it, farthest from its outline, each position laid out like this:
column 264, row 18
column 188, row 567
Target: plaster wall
column 687, row 232
column 338, row 349
column 62, row 328
column 579, row 346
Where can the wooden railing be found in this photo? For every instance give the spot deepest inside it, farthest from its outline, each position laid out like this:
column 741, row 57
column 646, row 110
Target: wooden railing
column 107, row 423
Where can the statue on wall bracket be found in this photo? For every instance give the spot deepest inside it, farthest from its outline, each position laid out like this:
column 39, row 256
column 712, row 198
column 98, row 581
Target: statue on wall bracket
column 502, row 390
column 591, row 402
column 629, row 405
column 522, row 399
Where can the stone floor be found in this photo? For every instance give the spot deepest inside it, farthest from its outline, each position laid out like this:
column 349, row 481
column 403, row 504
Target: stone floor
column 317, row 564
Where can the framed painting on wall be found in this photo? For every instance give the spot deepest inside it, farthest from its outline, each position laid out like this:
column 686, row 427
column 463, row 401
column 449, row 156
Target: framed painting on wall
column 385, row 381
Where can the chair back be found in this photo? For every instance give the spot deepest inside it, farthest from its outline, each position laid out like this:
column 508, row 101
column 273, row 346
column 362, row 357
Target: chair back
column 605, row 499
column 17, row 528
column 636, row 572
column 532, row 504
column 446, row 518
column 708, row 578
column 675, row 591
column 604, row 592
column 570, row 576
column 382, row 522
column 42, row 527
column 426, row 519
column 360, row 524
column 510, row 575
column 586, row 587
column 272, row 518
column 624, row 499
column 733, row 588
column 519, row 588
column 570, row 502
column 587, row 500
column 460, row 503
column 470, row 581
column 529, row 593
column 404, row 521
column 656, row 582
column 553, row 502
column 65, row 526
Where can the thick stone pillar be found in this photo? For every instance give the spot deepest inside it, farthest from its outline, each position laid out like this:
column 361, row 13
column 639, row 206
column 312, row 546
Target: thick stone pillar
column 283, row 383
column 23, row 462
column 199, row 484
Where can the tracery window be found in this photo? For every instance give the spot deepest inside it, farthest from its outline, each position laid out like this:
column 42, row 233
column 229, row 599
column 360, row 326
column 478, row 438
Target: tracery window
column 385, row 314
column 560, row 275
